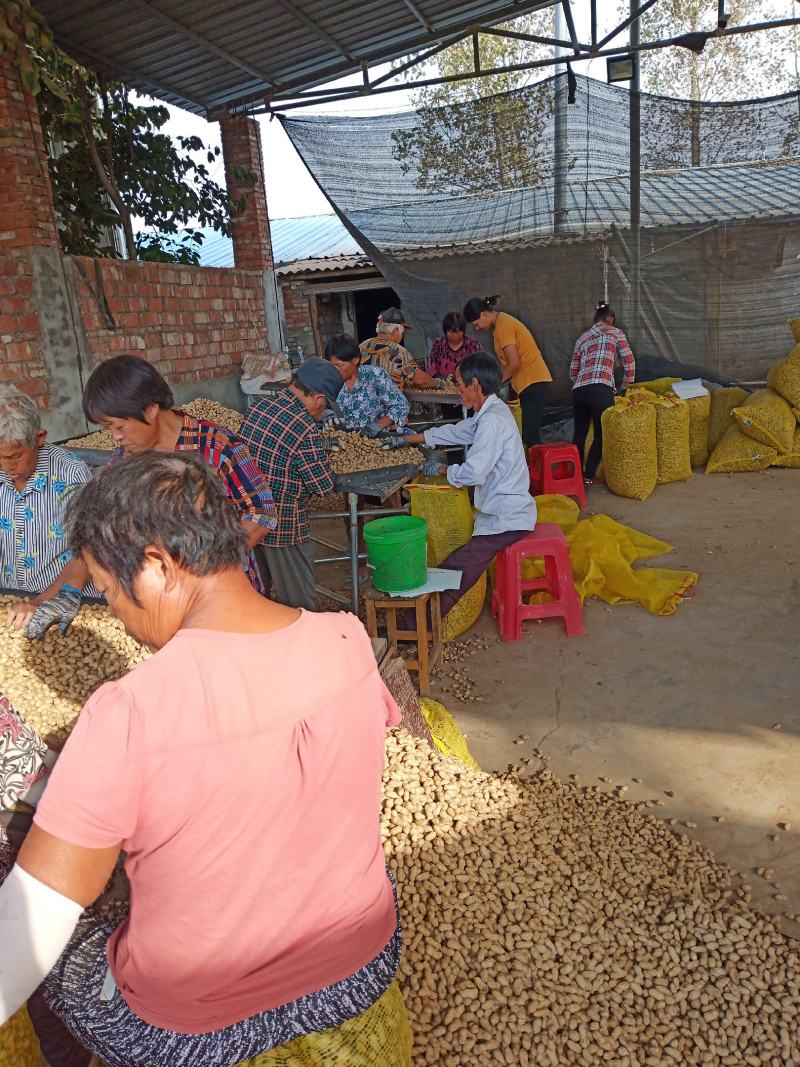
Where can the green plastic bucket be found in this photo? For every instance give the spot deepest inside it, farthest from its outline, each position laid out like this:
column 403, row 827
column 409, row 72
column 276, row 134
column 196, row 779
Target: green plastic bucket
column 397, row 552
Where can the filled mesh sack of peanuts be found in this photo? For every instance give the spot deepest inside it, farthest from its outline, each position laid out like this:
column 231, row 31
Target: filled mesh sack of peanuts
column 723, row 401
column 672, row 440
column 791, row 458
column 448, row 512
column 766, row 417
column 379, row 1037
column 794, row 326
column 784, row 377
column 739, row 454
column 630, row 453
column 699, row 415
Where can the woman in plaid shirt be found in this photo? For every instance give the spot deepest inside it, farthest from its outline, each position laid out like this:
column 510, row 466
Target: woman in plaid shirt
column 592, row 375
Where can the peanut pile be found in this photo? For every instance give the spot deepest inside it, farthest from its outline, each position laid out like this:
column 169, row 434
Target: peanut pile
column 199, row 408
column 552, row 925
column 49, row 681
column 359, row 453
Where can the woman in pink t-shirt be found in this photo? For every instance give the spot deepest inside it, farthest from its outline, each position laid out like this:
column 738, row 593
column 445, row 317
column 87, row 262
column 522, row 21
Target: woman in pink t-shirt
column 243, row 786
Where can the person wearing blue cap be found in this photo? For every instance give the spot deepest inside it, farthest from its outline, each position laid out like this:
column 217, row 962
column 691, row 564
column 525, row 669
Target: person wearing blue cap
column 284, row 435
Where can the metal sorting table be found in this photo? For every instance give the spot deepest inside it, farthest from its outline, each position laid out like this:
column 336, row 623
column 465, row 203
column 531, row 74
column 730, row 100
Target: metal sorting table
column 377, row 484
column 439, row 398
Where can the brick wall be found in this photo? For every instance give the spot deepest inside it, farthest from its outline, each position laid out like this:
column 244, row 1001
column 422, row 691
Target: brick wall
column 191, row 322
column 21, row 344
column 59, row 315
column 241, row 146
column 297, row 318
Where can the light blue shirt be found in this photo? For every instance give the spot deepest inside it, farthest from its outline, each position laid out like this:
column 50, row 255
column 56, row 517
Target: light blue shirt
column 34, row 547
column 495, row 465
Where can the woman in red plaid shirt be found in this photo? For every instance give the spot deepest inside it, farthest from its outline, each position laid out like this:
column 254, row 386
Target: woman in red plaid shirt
column 592, row 375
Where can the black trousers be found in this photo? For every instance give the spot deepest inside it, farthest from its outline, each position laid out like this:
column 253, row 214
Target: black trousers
column 532, row 400
column 588, row 404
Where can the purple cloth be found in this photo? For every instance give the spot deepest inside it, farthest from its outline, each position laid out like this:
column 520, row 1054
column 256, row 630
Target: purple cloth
column 472, row 559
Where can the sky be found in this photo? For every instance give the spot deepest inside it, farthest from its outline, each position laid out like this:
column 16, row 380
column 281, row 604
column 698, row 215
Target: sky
column 291, row 191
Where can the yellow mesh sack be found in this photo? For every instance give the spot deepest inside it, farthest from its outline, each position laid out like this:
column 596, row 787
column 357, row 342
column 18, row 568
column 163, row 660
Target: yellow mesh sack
column 738, row 454
column 792, row 458
column 445, row 732
column 516, row 411
column 630, row 457
column 766, row 417
column 659, row 386
column 379, row 1036
column 672, row 440
column 699, row 416
column 784, row 377
column 18, row 1044
column 723, row 401
column 794, row 326
column 450, row 519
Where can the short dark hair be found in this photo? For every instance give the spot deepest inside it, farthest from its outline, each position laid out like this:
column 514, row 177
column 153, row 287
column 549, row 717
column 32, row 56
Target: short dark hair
column 156, row 498
column 122, row 387
column 485, row 368
column 306, row 390
column 474, row 308
column 343, row 347
column 454, row 320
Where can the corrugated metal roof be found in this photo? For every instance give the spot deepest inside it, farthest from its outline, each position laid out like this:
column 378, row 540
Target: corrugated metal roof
column 696, row 195
column 310, row 237
column 208, row 54
column 319, row 266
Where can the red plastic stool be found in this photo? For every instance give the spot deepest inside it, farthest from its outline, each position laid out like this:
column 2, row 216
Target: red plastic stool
column 556, row 468
column 547, row 541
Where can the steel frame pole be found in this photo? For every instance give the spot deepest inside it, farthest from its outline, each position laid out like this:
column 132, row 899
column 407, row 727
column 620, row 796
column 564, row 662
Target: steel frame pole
column 635, row 103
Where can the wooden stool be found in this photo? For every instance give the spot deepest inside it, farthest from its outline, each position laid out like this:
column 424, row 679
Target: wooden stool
column 426, row 658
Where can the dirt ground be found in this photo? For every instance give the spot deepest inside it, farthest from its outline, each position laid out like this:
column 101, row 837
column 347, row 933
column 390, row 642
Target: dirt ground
column 704, row 704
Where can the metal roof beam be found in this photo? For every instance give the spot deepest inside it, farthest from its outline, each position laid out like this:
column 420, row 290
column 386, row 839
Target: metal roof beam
column 198, row 38
column 534, row 38
column 309, row 23
column 628, row 21
column 415, row 11
column 571, row 26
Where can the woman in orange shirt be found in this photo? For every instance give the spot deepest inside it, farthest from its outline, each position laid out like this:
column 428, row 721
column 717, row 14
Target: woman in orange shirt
column 520, row 358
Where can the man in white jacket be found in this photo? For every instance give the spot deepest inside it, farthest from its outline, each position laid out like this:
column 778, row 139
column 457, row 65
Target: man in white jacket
column 495, row 466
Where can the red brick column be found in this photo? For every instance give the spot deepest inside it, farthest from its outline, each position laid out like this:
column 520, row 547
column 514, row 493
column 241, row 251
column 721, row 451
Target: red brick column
column 241, row 147
column 27, row 216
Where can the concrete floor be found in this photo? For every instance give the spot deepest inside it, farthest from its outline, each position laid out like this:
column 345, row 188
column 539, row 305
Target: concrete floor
column 690, row 703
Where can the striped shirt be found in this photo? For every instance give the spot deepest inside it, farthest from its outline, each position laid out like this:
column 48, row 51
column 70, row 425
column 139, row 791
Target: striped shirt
column 34, row 547
column 244, row 484
column 286, row 443
column 373, row 396
column 595, row 354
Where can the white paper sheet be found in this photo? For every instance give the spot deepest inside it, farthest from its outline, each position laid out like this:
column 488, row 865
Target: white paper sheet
column 691, row 387
column 439, row 579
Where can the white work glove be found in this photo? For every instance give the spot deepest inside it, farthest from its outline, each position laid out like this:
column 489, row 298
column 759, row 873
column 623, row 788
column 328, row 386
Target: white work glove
column 432, row 467
column 331, row 445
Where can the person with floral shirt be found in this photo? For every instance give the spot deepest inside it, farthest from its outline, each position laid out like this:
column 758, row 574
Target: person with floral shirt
column 36, row 481
column 369, row 399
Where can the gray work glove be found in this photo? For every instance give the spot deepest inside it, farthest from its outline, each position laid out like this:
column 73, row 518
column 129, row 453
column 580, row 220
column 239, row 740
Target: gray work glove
column 331, row 445
column 373, row 429
column 60, row 609
column 395, row 440
column 331, row 421
column 432, row 466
